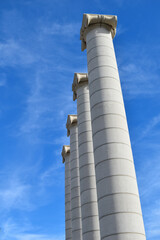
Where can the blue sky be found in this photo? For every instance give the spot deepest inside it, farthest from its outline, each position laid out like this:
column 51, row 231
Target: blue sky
column 39, row 52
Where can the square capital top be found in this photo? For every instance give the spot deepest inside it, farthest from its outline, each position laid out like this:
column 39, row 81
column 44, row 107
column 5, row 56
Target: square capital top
column 79, row 80
column 109, row 21
column 71, row 121
column 65, row 151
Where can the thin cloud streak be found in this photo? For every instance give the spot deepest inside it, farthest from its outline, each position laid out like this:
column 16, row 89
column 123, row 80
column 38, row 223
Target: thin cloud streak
column 139, row 75
column 47, row 51
column 25, row 188
column 152, row 124
column 15, row 196
column 14, row 231
column 63, row 29
column 13, row 54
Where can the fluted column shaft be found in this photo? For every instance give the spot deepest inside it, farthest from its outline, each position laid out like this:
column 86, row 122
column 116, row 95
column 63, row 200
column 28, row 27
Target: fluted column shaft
column 89, row 206
column 68, row 220
column 75, row 185
column 118, row 198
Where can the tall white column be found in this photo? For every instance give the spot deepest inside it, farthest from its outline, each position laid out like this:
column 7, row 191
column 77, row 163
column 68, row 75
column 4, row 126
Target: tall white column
column 118, row 198
column 72, row 131
column 68, row 220
column 89, row 206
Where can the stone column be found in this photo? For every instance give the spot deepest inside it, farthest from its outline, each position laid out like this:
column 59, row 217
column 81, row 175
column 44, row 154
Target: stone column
column 68, row 220
column 89, row 206
column 118, row 198
column 72, row 131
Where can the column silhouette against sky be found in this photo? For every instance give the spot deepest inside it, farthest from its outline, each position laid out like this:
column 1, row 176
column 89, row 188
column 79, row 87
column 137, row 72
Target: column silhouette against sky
column 118, row 197
column 88, row 191
column 72, row 131
column 68, row 219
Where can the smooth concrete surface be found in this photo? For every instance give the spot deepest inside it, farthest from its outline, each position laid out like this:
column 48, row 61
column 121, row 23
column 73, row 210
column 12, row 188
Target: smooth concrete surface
column 89, row 206
column 72, row 131
column 68, row 220
column 118, row 198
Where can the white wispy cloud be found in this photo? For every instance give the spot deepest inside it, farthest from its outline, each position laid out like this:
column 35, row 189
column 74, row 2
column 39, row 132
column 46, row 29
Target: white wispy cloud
column 14, row 54
column 2, row 82
column 147, row 134
column 148, row 144
column 46, row 111
column 32, row 236
column 139, row 74
column 54, row 175
column 150, row 126
column 50, row 98
column 63, row 29
column 14, row 194
column 148, row 174
column 24, row 187
column 120, row 30
column 11, row 230
column 149, row 178
column 152, row 219
column 153, row 177
column 3, row 79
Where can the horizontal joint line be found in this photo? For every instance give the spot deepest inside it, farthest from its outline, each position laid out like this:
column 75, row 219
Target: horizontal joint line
column 122, row 233
column 87, row 177
column 84, row 122
column 111, row 194
column 105, row 89
column 110, row 159
column 87, row 190
column 110, row 128
column 105, row 102
column 98, row 47
column 84, row 154
column 102, row 66
column 108, row 114
column 84, row 143
column 99, row 37
column 119, row 213
column 89, row 217
column 116, row 175
column 111, row 143
column 101, row 55
column 99, row 78
column 86, row 165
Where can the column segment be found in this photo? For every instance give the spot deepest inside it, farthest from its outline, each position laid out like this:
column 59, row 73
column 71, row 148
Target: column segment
column 118, row 198
column 68, row 220
column 89, row 206
column 72, row 131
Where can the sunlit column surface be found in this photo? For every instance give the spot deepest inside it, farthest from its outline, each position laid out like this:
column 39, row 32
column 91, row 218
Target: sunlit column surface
column 68, row 221
column 72, row 131
column 118, row 198
column 89, row 206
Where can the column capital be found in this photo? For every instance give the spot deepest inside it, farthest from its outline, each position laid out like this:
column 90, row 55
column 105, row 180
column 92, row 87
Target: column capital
column 71, row 120
column 79, row 80
column 65, row 151
column 109, row 21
